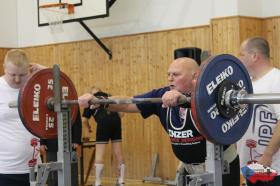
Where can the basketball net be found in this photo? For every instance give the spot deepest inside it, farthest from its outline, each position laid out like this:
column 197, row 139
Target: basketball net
column 55, row 14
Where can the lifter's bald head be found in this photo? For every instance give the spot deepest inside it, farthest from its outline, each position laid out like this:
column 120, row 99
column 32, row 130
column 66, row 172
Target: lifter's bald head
column 180, row 73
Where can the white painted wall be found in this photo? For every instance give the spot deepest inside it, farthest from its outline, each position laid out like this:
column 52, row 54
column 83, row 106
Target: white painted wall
column 251, row 8
column 19, row 18
column 270, row 8
column 133, row 16
column 9, row 24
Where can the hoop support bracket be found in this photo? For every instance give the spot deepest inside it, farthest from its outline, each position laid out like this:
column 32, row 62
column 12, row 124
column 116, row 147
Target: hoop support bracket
column 108, row 51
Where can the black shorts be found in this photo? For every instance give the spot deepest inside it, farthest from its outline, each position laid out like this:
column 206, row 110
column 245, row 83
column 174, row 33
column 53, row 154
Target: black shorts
column 108, row 131
column 14, row 180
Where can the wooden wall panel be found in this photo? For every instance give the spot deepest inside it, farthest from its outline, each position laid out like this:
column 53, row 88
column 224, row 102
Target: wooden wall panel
column 271, row 33
column 139, row 64
column 250, row 26
column 228, row 33
column 225, row 35
column 3, row 52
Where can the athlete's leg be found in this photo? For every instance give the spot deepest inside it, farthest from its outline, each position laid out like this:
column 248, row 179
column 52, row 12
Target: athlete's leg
column 99, row 162
column 117, row 149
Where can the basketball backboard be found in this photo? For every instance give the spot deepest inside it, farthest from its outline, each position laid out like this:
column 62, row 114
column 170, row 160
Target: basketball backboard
column 83, row 10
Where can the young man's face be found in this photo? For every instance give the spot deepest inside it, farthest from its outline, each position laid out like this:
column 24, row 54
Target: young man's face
column 14, row 75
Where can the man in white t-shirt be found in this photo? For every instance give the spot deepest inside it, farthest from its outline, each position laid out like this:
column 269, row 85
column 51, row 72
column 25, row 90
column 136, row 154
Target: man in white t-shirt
column 261, row 142
column 15, row 140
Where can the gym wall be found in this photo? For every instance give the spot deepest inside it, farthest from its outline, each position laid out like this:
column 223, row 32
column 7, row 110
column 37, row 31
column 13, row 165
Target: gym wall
column 139, row 64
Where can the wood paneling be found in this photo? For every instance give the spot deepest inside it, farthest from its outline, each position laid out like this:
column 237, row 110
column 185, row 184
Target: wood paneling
column 225, row 35
column 139, row 64
column 271, row 33
column 250, row 26
column 3, row 51
column 229, row 32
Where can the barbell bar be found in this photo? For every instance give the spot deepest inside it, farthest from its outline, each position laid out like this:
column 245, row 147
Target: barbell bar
column 233, row 98
column 106, row 101
column 242, row 97
column 50, row 101
column 236, row 98
column 221, row 103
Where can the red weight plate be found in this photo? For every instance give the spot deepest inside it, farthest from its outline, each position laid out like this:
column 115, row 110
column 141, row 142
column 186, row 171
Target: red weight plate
column 193, row 101
column 40, row 120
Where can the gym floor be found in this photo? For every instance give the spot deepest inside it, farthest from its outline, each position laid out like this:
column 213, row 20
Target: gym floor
column 112, row 182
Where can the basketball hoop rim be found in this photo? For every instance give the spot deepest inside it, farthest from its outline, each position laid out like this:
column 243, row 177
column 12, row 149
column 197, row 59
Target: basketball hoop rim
column 70, row 7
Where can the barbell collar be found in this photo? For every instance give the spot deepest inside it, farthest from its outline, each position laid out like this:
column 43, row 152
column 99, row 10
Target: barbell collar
column 232, row 98
column 259, row 99
column 13, row 104
column 236, row 98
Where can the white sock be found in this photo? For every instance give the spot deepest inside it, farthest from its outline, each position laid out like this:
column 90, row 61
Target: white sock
column 98, row 173
column 121, row 176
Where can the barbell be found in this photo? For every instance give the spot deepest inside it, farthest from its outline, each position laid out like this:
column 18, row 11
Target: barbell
column 222, row 103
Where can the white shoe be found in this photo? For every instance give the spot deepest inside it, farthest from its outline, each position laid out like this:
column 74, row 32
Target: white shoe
column 119, row 184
